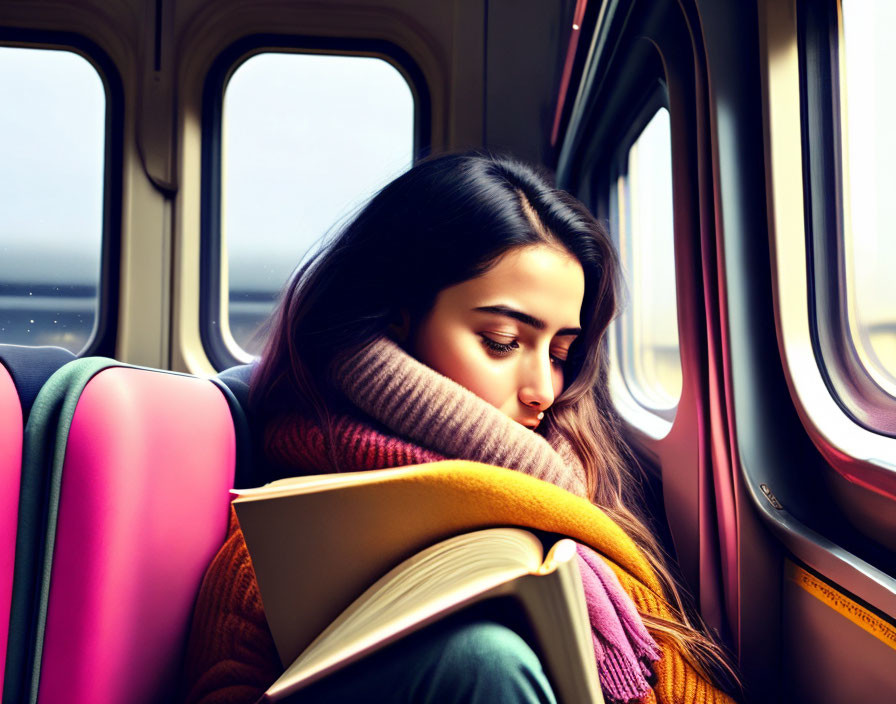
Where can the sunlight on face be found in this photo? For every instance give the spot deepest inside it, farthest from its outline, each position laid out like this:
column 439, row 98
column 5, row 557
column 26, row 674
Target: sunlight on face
column 504, row 335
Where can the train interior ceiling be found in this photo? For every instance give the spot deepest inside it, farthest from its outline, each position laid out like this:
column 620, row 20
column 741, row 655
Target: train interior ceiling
column 166, row 164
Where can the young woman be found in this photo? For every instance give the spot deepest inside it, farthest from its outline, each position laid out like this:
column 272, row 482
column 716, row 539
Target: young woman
column 461, row 315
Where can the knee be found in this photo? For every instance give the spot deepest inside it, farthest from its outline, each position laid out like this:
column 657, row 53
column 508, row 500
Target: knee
column 485, row 661
column 488, row 643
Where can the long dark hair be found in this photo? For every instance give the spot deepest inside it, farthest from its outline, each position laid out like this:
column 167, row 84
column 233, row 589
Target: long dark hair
column 445, row 221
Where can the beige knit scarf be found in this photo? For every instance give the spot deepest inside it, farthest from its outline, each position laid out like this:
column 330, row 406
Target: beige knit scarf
column 419, row 404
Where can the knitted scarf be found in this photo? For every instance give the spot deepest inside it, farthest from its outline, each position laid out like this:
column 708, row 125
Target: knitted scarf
column 415, row 416
column 418, row 404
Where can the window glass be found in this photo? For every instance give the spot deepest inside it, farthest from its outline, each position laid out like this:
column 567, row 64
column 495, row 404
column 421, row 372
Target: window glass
column 52, row 142
column 869, row 152
column 648, row 331
column 306, row 139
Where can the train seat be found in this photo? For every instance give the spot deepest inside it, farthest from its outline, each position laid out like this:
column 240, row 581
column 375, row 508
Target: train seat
column 237, row 380
column 249, row 467
column 30, row 367
column 10, row 471
column 23, row 370
column 133, row 468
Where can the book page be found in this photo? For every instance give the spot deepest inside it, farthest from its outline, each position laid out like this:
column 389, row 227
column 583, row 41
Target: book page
column 314, row 482
column 559, row 617
column 320, row 543
column 315, row 553
column 430, row 584
column 550, row 595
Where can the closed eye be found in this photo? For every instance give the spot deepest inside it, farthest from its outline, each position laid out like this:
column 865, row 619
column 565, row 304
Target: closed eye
column 499, row 349
column 502, row 349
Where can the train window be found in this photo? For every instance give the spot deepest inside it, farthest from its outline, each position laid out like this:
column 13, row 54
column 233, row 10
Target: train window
column 868, row 145
column 306, row 138
column 52, row 169
column 647, row 333
column 847, row 147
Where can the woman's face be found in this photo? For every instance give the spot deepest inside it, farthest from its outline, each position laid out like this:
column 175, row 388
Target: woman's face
column 505, row 335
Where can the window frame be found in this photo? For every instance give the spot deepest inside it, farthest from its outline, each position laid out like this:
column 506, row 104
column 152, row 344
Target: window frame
column 655, row 99
column 213, row 317
column 840, row 363
column 102, row 338
column 863, row 482
column 638, row 46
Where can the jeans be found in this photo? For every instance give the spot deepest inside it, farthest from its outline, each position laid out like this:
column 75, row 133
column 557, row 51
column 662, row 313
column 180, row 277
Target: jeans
column 457, row 660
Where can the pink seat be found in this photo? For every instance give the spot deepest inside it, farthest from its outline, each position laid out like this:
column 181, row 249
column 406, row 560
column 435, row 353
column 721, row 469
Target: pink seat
column 10, row 475
column 143, row 508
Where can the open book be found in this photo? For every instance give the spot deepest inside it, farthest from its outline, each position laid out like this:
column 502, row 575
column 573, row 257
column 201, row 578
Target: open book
column 349, row 563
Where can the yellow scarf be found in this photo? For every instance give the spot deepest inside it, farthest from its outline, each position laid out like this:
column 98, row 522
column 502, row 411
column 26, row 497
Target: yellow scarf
column 478, row 496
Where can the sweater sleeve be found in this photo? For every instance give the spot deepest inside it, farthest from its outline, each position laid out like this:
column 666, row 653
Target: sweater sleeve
column 231, row 656
column 678, row 681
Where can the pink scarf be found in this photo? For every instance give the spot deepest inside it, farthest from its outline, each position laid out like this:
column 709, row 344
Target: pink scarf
column 623, row 648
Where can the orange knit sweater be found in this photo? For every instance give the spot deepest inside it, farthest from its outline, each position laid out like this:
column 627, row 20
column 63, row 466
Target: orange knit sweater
column 231, row 657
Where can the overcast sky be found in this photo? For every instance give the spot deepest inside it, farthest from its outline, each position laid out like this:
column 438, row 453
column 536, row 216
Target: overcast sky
column 52, row 134
column 306, row 139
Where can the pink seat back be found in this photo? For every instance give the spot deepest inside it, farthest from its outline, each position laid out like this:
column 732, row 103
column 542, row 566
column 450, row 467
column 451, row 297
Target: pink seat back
column 143, row 508
column 10, row 476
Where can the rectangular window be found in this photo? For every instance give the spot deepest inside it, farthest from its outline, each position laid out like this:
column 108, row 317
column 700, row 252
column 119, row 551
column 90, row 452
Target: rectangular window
column 52, row 170
column 868, row 144
column 305, row 139
column 648, row 329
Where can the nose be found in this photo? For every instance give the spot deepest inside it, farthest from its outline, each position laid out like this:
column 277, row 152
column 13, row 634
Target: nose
column 537, row 383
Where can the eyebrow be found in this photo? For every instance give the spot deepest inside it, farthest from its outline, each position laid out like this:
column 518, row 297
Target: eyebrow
column 525, row 318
